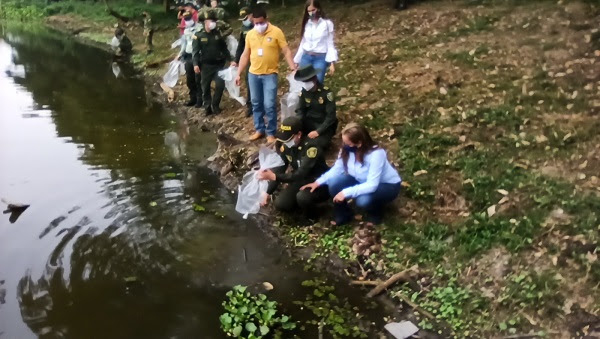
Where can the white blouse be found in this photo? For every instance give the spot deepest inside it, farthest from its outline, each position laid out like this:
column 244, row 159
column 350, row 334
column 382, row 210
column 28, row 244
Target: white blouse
column 318, row 38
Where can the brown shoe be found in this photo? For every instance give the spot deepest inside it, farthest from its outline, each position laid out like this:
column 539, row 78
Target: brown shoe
column 271, row 139
column 256, row 136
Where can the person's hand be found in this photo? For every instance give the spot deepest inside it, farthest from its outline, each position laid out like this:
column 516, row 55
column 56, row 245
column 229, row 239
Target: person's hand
column 340, row 197
column 313, row 134
column 238, row 81
column 312, row 186
column 176, row 57
column 264, row 199
column 331, row 69
column 234, row 64
column 266, row 175
column 197, row 69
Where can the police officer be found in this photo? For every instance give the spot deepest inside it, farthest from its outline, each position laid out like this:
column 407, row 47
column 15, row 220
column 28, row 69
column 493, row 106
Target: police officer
column 316, row 108
column 223, row 27
column 246, row 18
column 148, row 31
column 210, row 54
column 307, row 161
column 193, row 79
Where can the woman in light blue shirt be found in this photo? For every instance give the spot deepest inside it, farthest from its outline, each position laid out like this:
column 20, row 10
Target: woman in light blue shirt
column 361, row 172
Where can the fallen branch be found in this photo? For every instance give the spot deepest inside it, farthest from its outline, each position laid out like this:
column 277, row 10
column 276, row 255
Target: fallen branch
column 414, row 306
column 114, row 13
column 403, row 276
column 366, row 282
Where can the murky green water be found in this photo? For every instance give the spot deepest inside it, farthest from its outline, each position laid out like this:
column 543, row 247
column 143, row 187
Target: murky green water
column 111, row 246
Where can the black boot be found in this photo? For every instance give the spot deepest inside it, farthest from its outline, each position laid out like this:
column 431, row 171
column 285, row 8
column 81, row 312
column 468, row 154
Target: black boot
column 215, row 109
column 198, row 104
column 207, row 111
column 191, row 103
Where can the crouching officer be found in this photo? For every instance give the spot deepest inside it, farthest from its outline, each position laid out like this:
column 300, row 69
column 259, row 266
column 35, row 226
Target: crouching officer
column 307, row 162
column 316, row 108
column 210, row 55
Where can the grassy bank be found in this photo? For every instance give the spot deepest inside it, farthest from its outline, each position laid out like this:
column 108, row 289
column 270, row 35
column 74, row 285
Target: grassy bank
column 489, row 109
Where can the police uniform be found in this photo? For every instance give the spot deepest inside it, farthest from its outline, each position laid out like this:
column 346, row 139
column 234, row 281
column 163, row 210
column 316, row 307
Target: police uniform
column 193, row 80
column 307, row 162
column 317, row 109
column 210, row 53
column 217, row 14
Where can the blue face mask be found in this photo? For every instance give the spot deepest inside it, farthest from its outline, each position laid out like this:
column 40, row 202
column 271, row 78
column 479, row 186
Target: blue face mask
column 247, row 23
column 350, row 149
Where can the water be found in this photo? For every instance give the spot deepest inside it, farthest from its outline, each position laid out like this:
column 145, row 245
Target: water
column 111, row 246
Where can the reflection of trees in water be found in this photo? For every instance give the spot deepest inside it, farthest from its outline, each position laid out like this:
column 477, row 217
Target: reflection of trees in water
column 116, row 289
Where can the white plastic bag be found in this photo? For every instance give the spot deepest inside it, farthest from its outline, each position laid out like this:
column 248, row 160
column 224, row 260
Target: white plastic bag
column 228, row 75
column 289, row 102
column 251, row 189
column 232, row 45
column 116, row 69
column 170, row 78
column 176, row 44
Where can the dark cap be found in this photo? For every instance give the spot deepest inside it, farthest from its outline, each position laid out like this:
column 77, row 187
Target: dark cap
column 289, row 127
column 189, row 4
column 305, row 73
column 244, row 11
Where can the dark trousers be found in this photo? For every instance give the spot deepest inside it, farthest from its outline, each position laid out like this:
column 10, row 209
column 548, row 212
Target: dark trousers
column 372, row 203
column 209, row 74
column 291, row 197
column 193, row 80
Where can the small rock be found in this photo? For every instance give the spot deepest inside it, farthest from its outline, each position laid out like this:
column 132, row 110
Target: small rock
column 364, row 89
column 402, row 330
column 342, row 92
column 443, row 91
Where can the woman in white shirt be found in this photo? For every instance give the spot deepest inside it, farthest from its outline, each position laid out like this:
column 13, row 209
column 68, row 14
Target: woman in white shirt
column 361, row 172
column 316, row 47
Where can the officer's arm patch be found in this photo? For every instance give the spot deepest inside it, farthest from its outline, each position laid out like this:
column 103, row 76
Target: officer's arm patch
column 330, row 96
column 282, row 148
column 194, row 37
column 311, row 152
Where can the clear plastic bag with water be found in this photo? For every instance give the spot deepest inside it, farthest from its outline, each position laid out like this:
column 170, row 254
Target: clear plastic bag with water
column 229, row 75
column 251, row 190
column 170, row 78
column 232, row 45
column 289, row 102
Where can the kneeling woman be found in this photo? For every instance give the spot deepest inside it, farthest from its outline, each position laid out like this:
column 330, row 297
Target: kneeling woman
column 361, row 172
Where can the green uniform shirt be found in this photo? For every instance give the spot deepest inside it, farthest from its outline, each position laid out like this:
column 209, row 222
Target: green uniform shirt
column 307, row 162
column 317, row 111
column 209, row 48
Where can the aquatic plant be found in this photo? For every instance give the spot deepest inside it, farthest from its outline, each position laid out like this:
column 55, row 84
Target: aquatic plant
column 252, row 316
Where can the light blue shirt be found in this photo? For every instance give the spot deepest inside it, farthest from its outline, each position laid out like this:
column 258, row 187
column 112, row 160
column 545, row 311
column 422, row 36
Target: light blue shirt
column 374, row 170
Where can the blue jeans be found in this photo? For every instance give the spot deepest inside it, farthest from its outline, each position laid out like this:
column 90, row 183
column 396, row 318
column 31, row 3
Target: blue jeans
column 372, row 203
column 318, row 62
column 264, row 101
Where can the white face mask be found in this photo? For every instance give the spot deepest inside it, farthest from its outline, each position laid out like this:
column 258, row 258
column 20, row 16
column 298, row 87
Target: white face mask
column 189, row 23
column 261, row 28
column 290, row 143
column 212, row 25
column 308, row 85
column 247, row 23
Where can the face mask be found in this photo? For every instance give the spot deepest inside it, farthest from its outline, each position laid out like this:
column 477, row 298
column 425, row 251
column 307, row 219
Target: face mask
column 308, row 85
column 247, row 23
column 350, row 149
column 212, row 25
column 189, row 23
column 312, row 15
column 290, row 143
column 261, row 28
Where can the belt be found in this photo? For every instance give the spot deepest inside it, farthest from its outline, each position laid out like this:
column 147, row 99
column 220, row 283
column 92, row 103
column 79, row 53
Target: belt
column 315, row 54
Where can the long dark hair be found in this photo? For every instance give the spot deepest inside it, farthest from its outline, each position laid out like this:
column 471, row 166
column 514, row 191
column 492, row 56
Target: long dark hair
column 316, row 4
column 358, row 134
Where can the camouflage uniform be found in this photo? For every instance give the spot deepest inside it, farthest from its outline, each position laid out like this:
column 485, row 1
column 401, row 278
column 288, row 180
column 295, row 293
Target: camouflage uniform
column 148, row 32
